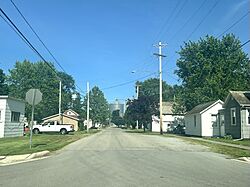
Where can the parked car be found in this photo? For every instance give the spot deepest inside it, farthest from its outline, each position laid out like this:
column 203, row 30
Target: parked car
column 53, row 126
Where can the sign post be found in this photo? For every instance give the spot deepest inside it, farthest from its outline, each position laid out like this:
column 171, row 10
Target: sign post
column 33, row 97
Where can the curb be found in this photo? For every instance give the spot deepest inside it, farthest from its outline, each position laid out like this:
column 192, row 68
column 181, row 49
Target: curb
column 18, row 158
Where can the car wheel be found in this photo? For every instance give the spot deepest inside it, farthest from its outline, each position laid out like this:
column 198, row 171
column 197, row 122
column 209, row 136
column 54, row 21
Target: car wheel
column 36, row 131
column 63, row 131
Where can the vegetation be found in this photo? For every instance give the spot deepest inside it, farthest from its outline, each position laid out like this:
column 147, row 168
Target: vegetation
column 99, row 109
column 209, row 68
column 26, row 75
column 117, row 119
column 3, row 86
column 41, row 142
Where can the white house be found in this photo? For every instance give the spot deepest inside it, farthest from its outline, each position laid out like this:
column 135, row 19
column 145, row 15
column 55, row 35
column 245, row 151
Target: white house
column 202, row 120
column 11, row 116
column 169, row 118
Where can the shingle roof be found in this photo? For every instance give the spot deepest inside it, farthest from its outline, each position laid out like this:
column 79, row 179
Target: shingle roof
column 167, row 107
column 200, row 108
column 242, row 97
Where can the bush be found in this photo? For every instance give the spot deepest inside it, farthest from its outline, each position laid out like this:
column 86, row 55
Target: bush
column 228, row 137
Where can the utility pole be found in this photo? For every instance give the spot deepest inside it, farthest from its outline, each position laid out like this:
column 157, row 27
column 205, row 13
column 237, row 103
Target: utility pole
column 160, row 45
column 137, row 97
column 60, row 101
column 88, row 107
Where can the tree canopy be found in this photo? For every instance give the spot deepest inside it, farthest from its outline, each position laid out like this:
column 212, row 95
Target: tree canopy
column 3, row 86
column 26, row 75
column 210, row 67
column 99, row 109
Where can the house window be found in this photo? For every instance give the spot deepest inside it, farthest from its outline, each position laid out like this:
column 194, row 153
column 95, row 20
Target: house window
column 195, row 120
column 214, row 120
column 233, row 116
column 15, row 116
column 248, row 116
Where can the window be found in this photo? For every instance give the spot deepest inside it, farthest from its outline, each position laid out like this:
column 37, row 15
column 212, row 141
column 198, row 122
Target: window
column 233, row 116
column 15, row 116
column 214, row 120
column 195, row 120
column 248, row 116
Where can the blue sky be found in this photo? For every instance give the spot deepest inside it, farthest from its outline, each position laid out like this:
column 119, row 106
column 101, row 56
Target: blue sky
column 103, row 42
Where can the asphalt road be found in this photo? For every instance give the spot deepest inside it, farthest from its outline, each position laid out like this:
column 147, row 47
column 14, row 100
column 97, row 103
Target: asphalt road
column 116, row 158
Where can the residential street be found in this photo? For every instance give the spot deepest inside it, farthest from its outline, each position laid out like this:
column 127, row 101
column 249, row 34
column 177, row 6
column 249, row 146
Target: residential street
column 117, row 158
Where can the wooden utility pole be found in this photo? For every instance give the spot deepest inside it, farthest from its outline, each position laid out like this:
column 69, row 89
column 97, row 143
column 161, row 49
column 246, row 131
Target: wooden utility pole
column 160, row 45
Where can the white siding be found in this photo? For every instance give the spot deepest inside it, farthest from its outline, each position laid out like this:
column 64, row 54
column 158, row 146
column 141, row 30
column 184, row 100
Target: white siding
column 207, row 126
column 191, row 129
column 11, row 129
column 245, row 127
column 2, row 119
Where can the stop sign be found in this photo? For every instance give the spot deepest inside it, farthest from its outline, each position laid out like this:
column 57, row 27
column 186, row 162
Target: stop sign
column 33, row 96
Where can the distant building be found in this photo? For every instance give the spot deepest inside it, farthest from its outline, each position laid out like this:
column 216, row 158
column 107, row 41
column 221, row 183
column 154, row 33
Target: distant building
column 11, row 116
column 68, row 117
column 117, row 106
column 169, row 118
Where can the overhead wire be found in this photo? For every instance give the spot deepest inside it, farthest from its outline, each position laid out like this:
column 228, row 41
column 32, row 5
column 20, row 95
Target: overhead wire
column 39, row 38
column 203, row 19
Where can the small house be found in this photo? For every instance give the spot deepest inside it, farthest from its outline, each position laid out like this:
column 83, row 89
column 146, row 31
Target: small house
column 237, row 114
column 202, row 120
column 169, row 118
column 11, row 116
column 68, row 117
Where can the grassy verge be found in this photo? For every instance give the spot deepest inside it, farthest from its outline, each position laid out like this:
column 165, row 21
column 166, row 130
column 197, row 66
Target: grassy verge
column 238, row 142
column 40, row 142
column 222, row 149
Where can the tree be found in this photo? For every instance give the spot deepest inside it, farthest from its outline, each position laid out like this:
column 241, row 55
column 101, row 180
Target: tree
column 3, row 86
column 99, row 109
column 117, row 119
column 142, row 109
column 26, row 75
column 150, row 87
column 210, row 67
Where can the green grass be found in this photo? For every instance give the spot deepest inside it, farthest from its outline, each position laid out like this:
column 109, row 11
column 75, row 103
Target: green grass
column 232, row 152
column 238, row 142
column 40, row 142
column 222, row 149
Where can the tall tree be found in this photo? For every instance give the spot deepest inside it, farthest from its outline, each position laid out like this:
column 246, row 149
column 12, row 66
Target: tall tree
column 210, row 67
column 26, row 75
column 117, row 119
column 99, row 109
column 3, row 86
column 150, row 87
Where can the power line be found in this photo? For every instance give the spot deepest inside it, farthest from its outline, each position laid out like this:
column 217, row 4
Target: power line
column 189, row 19
column 235, row 23
column 37, row 35
column 20, row 34
column 177, row 14
column 203, row 19
column 39, row 38
column 129, row 82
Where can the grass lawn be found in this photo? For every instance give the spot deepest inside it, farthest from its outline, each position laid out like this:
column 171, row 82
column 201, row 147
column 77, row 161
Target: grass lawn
column 238, row 142
column 40, row 142
column 227, row 150
column 222, row 149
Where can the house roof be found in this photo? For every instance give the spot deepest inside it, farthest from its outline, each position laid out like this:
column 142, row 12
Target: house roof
column 72, row 111
column 12, row 98
column 241, row 97
column 167, row 107
column 203, row 107
column 55, row 115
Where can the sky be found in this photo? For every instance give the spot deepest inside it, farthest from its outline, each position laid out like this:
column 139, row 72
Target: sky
column 111, row 43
